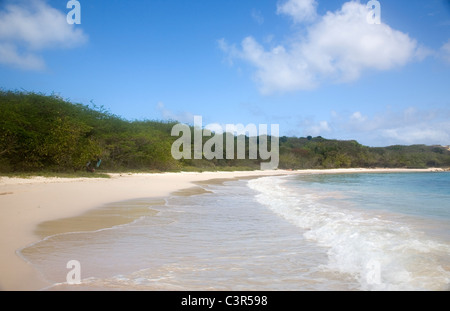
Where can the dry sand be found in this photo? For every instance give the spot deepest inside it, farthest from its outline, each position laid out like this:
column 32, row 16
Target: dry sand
column 25, row 203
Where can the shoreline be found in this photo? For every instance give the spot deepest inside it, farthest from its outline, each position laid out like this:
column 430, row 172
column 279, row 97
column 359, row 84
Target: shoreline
column 27, row 202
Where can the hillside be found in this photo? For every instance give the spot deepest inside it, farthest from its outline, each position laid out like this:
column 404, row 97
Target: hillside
column 46, row 133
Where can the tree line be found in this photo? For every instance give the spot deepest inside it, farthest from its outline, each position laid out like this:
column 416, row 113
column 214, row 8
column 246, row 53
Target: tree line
column 41, row 132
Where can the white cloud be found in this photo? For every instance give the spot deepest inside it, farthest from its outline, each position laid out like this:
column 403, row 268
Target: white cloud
column 445, row 52
column 298, row 10
column 406, row 127
column 358, row 117
column 418, row 135
column 277, row 69
column 343, row 44
column 337, row 47
column 257, row 17
column 11, row 56
column 321, row 128
column 167, row 114
column 28, row 27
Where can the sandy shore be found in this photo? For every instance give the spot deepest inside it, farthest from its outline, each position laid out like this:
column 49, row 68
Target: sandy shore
column 25, row 203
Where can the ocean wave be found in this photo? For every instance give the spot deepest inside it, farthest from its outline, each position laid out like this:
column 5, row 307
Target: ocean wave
column 379, row 253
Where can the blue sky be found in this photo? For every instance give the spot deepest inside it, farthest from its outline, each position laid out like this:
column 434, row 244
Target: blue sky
column 315, row 67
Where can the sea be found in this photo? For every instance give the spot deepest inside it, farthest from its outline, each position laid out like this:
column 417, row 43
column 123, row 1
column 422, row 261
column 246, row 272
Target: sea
column 304, row 232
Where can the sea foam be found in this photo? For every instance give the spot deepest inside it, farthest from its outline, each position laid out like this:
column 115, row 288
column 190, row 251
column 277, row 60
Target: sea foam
column 381, row 254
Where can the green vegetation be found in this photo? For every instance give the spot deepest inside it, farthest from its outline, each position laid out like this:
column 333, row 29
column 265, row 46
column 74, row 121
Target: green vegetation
column 46, row 133
column 321, row 153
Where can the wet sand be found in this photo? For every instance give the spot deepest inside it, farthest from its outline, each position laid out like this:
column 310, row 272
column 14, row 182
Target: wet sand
column 30, row 207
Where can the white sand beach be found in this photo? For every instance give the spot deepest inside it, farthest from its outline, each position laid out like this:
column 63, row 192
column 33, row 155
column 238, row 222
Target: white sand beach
column 27, row 202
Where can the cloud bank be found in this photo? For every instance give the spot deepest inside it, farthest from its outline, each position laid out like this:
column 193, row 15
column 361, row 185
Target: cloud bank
column 405, row 127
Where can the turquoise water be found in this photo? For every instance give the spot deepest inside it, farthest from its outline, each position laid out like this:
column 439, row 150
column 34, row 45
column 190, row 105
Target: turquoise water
column 303, row 232
column 419, row 194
